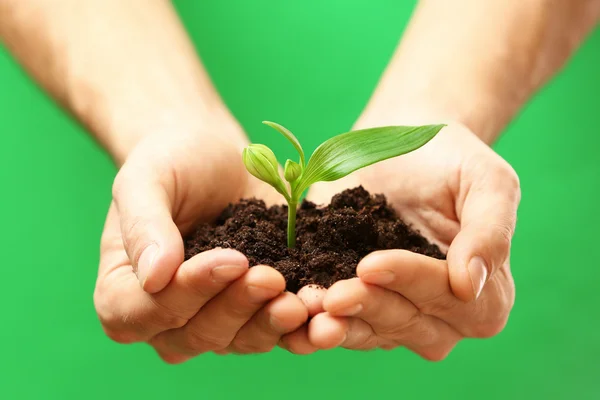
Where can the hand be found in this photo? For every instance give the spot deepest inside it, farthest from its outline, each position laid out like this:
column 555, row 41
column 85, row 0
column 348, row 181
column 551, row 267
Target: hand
column 463, row 196
column 211, row 302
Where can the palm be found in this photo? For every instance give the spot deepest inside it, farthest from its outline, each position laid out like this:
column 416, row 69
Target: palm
column 164, row 190
column 199, row 177
column 462, row 196
column 196, row 188
column 423, row 186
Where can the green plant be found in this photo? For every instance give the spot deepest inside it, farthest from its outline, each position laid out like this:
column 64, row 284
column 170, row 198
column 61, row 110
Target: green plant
column 332, row 160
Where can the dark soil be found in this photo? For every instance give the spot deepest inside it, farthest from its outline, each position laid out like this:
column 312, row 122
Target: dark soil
column 331, row 240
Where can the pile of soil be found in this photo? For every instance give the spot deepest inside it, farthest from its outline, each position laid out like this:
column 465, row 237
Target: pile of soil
column 331, row 240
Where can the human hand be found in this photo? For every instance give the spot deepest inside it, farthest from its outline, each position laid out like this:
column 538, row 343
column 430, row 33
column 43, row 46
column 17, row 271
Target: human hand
column 463, row 196
column 145, row 292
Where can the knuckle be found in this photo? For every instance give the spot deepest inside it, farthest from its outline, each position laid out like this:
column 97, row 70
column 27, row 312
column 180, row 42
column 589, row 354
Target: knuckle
column 244, row 346
column 126, row 324
column 165, row 316
column 173, row 359
column 115, row 325
column 439, row 305
column 293, row 348
column 512, row 179
column 237, row 312
column 435, row 353
column 123, row 181
column 169, row 321
column 506, row 174
column 492, row 311
column 505, row 284
column 121, row 337
column 107, row 314
column 366, row 342
column 135, row 229
column 170, row 361
column 505, row 233
column 199, row 342
column 402, row 330
column 489, row 327
column 485, row 330
column 511, row 184
column 118, row 183
column 296, row 347
column 195, row 283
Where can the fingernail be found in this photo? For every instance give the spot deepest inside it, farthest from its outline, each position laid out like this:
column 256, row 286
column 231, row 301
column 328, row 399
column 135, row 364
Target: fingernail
column 378, row 278
column 348, row 311
column 478, row 272
column 259, row 294
column 146, row 261
column 226, row 273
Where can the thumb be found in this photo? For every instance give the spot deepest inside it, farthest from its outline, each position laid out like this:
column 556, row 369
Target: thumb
column 488, row 218
column 150, row 237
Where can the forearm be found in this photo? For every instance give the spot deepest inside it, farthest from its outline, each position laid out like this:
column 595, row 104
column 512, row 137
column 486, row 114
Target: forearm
column 477, row 62
column 123, row 68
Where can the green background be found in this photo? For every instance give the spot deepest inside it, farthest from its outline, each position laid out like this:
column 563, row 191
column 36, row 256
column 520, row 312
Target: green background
column 306, row 63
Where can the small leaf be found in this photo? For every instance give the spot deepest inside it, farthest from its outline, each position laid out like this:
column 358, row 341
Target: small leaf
column 345, row 153
column 261, row 162
column 289, row 136
column 291, row 171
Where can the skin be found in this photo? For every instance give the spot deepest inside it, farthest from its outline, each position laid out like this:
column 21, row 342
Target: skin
column 455, row 190
column 467, row 204
column 175, row 172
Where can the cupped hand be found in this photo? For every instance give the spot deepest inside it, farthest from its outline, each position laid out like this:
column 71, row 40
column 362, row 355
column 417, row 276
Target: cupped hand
column 145, row 292
column 458, row 193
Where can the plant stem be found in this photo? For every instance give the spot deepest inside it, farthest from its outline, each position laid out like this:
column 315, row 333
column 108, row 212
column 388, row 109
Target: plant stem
column 291, row 230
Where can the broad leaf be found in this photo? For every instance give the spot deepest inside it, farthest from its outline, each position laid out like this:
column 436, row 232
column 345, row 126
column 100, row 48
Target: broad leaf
column 348, row 152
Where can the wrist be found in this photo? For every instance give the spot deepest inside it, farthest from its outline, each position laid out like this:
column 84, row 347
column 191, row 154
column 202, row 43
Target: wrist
column 402, row 101
column 211, row 124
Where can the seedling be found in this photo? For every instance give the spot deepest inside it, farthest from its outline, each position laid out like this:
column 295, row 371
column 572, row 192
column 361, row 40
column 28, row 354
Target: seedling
column 332, row 160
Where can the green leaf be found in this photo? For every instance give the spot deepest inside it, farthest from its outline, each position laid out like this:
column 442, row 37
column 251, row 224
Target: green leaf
column 291, row 171
column 261, row 162
column 348, row 152
column 289, row 136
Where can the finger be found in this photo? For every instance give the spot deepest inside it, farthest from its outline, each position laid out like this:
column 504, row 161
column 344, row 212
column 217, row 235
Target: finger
column 284, row 314
column 419, row 278
column 151, row 238
column 312, row 296
column 487, row 216
column 129, row 314
column 392, row 317
column 327, row 331
column 172, row 358
column 217, row 323
column 360, row 336
column 199, row 279
column 424, row 282
column 297, row 342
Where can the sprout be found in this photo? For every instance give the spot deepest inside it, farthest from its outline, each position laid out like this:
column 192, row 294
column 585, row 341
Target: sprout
column 332, row 160
column 291, row 171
